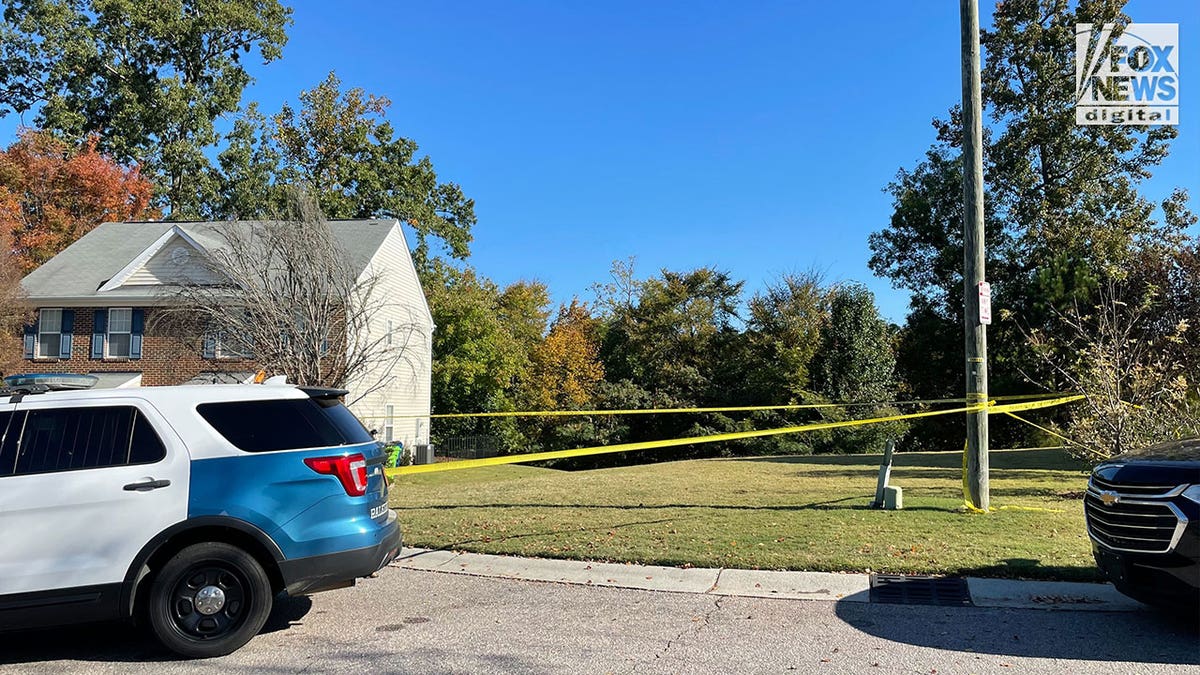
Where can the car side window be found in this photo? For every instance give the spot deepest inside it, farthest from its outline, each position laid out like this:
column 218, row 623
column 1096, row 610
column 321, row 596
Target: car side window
column 146, row 447
column 68, row 439
column 10, row 431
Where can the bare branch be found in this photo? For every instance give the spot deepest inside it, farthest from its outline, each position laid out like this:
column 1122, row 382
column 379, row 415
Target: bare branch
column 286, row 292
column 1137, row 394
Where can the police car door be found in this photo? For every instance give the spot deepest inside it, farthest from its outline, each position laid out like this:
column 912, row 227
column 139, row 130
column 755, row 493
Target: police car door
column 84, row 485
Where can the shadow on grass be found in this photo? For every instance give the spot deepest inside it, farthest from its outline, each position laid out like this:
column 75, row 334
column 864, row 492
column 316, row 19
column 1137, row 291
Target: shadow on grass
column 1063, row 493
column 922, row 473
column 829, row 505
column 527, row 535
column 1039, row 460
column 1031, row 568
column 864, row 473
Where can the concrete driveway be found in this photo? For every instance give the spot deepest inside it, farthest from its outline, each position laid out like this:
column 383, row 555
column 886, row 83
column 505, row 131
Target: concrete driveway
column 432, row 622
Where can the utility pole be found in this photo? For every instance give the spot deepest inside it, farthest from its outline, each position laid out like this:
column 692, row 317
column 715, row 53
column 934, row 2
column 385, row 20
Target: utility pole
column 973, row 277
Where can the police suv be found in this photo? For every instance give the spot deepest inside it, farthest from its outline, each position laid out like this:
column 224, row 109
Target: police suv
column 189, row 508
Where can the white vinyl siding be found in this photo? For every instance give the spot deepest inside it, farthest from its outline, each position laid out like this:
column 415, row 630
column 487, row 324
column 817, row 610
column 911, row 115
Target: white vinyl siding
column 176, row 260
column 403, row 402
column 49, row 343
column 120, row 329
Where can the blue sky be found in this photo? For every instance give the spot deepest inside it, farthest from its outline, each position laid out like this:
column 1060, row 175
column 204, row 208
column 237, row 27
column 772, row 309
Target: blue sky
column 755, row 137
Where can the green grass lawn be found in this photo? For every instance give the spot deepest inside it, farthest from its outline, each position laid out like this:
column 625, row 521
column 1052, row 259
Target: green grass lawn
column 800, row 513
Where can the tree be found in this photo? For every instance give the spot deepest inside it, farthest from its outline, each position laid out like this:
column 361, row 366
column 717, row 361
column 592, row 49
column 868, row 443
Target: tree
column 929, row 366
column 565, row 368
column 1072, row 189
column 856, row 364
column 149, row 78
column 783, row 334
column 52, row 193
column 1064, row 211
column 565, row 373
column 481, row 349
column 1138, row 391
column 921, row 250
column 14, row 311
column 671, row 341
column 339, row 144
column 289, row 295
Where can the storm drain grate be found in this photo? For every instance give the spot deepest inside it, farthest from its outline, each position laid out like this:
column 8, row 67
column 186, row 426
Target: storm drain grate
column 901, row 589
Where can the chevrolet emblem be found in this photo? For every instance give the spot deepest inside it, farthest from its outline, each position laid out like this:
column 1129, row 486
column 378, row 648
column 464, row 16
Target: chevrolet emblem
column 1109, row 498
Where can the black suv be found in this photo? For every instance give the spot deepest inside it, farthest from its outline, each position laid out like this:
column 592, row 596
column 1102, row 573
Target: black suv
column 1143, row 515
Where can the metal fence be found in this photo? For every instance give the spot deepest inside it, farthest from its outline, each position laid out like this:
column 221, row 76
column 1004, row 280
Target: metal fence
column 469, row 447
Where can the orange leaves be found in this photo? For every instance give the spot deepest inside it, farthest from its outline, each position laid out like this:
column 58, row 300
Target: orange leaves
column 566, row 365
column 52, row 193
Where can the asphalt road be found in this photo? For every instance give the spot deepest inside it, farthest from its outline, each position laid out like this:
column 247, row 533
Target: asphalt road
column 429, row 622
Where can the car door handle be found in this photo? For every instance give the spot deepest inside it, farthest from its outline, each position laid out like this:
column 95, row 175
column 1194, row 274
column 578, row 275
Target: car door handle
column 146, row 486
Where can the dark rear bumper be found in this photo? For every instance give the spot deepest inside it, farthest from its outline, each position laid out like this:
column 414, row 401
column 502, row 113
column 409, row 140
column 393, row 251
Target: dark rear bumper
column 303, row 576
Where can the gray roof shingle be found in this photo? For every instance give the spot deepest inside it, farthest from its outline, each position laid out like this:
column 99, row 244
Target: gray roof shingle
column 84, row 266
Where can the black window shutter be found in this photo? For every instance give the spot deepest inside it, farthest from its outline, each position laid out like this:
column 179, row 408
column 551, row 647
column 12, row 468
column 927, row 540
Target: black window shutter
column 99, row 329
column 137, row 324
column 67, row 338
column 30, row 339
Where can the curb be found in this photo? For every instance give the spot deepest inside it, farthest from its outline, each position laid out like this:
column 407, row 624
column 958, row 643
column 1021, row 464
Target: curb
column 826, row 586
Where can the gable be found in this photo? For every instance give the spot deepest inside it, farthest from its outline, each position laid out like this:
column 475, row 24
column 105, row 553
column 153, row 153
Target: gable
column 398, row 280
column 172, row 258
column 176, row 261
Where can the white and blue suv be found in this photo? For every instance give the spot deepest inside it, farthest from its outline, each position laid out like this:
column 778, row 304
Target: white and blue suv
column 189, row 508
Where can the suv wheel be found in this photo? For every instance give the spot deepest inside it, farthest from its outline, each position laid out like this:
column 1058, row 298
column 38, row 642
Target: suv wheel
column 209, row 600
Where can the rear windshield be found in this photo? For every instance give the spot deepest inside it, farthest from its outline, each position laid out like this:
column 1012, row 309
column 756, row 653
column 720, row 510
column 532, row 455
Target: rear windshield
column 291, row 424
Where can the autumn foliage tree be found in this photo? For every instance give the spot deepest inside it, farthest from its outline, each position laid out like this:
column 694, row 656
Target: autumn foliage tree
column 565, row 367
column 52, row 193
column 13, row 310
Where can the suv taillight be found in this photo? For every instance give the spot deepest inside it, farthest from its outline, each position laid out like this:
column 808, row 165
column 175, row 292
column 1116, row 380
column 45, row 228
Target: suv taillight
column 351, row 470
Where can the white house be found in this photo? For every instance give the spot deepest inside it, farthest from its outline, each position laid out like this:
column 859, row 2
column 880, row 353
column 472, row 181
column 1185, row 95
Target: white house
column 95, row 298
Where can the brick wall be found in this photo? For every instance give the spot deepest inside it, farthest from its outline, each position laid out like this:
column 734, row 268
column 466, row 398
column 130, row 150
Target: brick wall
column 165, row 359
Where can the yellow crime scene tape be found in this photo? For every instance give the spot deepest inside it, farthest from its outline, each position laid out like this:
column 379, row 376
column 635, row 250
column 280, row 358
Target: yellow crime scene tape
column 715, row 438
column 1049, row 431
column 1010, row 410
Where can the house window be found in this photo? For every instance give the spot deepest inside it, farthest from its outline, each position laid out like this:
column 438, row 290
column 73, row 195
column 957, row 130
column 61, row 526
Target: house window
column 226, row 345
column 388, row 338
column 49, row 333
column 120, row 332
column 389, row 426
column 232, row 346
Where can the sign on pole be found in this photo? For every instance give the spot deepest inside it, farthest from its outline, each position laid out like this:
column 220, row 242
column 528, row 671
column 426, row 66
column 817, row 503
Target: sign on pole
column 985, row 303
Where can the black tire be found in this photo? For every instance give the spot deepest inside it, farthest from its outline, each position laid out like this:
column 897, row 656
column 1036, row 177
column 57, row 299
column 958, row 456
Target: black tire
column 235, row 604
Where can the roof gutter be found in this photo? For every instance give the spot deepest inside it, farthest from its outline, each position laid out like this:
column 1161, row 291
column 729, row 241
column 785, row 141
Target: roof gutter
column 98, row 301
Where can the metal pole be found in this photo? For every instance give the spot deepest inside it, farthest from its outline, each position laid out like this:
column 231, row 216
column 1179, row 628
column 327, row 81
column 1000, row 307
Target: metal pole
column 973, row 272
